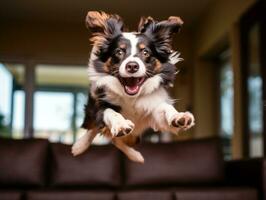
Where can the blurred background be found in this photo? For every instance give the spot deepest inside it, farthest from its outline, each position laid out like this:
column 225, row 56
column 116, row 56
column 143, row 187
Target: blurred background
column 44, row 49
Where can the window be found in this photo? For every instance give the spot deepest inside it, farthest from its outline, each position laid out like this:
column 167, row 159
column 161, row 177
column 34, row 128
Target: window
column 53, row 113
column 226, row 103
column 254, row 89
column 12, row 100
column 61, row 92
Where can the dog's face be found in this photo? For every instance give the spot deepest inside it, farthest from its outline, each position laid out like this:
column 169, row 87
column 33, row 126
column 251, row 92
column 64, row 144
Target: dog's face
column 134, row 58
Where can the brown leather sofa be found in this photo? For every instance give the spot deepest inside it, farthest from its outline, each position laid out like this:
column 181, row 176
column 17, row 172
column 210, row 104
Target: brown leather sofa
column 194, row 170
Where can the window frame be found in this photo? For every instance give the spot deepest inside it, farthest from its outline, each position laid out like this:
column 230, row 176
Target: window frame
column 254, row 15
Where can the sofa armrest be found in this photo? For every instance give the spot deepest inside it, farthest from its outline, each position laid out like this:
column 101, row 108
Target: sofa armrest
column 248, row 172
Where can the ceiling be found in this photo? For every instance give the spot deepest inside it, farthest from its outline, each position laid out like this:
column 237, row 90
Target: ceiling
column 74, row 11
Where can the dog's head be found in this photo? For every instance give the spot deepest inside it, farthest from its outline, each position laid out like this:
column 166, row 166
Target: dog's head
column 135, row 59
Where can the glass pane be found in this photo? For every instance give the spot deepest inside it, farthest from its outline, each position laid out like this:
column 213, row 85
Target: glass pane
column 52, row 116
column 81, row 101
column 255, row 107
column 226, row 104
column 12, row 100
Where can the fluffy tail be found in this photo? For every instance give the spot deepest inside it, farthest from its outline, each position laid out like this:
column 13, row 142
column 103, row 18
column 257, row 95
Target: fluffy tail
column 83, row 143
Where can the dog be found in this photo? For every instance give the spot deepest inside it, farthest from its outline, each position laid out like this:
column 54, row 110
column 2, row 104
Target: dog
column 129, row 75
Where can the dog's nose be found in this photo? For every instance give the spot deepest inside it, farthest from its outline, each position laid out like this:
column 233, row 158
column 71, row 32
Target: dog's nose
column 132, row 67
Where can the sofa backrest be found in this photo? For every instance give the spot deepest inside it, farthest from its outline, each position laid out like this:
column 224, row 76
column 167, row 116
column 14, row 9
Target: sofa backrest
column 36, row 162
column 179, row 163
column 23, row 162
column 100, row 166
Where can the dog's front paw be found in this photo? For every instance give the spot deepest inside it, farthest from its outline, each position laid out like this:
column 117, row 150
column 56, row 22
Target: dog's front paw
column 122, row 128
column 183, row 120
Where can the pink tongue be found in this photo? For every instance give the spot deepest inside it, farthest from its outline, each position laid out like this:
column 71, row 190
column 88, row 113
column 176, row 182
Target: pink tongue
column 131, row 90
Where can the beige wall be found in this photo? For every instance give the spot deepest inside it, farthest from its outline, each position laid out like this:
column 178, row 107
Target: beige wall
column 183, row 90
column 48, row 42
column 216, row 22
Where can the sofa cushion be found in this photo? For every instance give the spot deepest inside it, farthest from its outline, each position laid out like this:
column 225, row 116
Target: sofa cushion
column 99, row 166
column 69, row 195
column 196, row 161
column 22, row 162
column 217, row 194
column 10, row 195
column 147, row 195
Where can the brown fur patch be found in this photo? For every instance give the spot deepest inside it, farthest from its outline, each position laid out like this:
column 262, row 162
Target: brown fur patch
column 97, row 20
column 131, row 140
column 142, row 46
column 107, row 65
column 157, row 66
column 97, row 23
column 176, row 19
column 144, row 22
column 123, row 46
column 90, row 125
column 106, row 132
column 98, row 39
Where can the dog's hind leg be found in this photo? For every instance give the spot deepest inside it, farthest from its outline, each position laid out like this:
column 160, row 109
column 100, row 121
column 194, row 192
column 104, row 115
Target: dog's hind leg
column 131, row 153
column 83, row 143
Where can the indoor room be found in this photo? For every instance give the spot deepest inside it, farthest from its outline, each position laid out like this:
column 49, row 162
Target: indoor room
column 44, row 86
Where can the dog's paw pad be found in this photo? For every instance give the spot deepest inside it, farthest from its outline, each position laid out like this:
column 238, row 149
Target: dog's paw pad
column 181, row 121
column 128, row 130
column 189, row 121
column 122, row 128
column 124, row 132
column 184, row 120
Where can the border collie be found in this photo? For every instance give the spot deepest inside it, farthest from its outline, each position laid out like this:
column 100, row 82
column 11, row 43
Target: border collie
column 129, row 74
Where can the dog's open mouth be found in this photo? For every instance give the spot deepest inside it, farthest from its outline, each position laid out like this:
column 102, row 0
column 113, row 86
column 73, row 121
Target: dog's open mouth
column 132, row 84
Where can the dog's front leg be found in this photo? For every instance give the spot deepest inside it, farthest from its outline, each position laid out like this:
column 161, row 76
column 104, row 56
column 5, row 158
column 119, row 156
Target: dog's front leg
column 168, row 118
column 118, row 125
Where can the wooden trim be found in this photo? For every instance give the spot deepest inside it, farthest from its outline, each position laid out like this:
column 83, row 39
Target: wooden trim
column 237, row 140
column 263, row 66
column 29, row 94
column 74, row 116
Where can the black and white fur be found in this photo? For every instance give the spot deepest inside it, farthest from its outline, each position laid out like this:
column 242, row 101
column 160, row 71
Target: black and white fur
column 129, row 74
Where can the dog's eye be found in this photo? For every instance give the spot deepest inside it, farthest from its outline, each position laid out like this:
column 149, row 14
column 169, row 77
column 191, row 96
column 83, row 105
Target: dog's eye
column 145, row 53
column 119, row 52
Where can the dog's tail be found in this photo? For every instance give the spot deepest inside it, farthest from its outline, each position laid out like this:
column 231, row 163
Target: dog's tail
column 84, row 142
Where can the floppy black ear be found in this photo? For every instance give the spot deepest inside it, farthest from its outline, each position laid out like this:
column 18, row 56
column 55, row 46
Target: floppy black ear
column 161, row 33
column 101, row 22
column 144, row 23
column 170, row 26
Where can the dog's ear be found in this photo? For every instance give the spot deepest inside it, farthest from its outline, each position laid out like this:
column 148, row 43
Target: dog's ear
column 101, row 22
column 144, row 23
column 170, row 26
column 161, row 33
